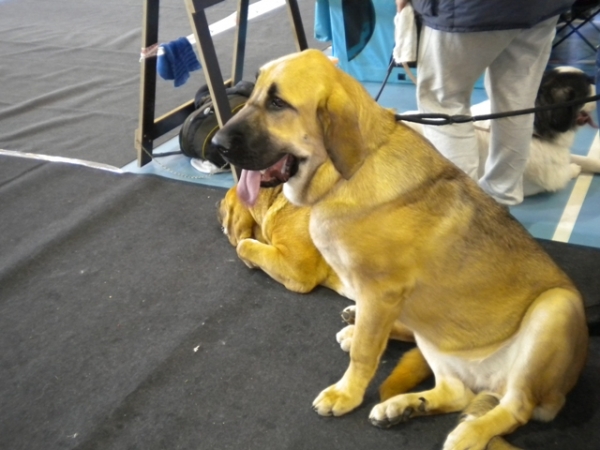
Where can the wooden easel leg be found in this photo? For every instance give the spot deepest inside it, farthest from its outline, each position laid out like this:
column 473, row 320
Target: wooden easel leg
column 239, row 50
column 209, row 61
column 144, row 135
column 296, row 19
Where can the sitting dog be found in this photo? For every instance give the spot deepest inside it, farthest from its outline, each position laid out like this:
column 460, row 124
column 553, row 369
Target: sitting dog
column 550, row 165
column 417, row 243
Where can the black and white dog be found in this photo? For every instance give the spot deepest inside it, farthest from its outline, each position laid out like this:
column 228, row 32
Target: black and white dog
column 550, row 165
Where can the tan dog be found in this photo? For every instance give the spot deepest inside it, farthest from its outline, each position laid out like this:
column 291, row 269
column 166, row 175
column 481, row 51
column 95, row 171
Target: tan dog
column 273, row 235
column 414, row 241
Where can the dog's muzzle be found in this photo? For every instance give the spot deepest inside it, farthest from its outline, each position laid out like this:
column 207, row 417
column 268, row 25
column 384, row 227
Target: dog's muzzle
column 246, row 147
column 222, row 141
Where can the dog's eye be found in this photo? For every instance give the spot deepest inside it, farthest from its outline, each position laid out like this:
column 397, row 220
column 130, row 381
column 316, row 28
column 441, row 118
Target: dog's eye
column 277, row 103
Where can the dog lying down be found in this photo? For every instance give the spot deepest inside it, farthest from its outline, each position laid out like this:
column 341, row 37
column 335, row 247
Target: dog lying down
column 272, row 235
column 550, row 165
column 419, row 247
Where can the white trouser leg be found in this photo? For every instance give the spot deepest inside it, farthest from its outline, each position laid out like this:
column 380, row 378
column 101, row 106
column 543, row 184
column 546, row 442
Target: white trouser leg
column 449, row 64
column 512, row 82
column 448, row 67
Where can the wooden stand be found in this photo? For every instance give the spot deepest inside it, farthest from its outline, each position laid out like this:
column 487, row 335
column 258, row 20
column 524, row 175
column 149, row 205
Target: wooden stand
column 151, row 128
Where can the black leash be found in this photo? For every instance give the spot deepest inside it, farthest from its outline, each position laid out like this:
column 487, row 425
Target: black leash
column 387, row 75
column 445, row 119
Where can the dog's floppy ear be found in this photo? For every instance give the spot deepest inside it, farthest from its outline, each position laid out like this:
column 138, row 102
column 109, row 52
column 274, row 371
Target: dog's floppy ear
column 564, row 118
column 548, row 123
column 341, row 133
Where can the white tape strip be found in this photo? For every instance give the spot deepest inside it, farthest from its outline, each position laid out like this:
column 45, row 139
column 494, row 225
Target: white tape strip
column 573, row 208
column 60, row 159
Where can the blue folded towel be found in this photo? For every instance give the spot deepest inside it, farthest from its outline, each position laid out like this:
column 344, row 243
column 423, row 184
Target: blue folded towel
column 177, row 61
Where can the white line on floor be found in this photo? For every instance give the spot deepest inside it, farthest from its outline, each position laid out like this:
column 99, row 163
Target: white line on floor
column 569, row 217
column 78, row 162
column 254, row 10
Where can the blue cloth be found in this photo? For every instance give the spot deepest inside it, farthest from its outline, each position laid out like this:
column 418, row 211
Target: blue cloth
column 322, row 21
column 368, row 57
column 177, row 61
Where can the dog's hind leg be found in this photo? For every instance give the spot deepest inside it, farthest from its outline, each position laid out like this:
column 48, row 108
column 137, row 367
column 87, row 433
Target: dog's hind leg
column 449, row 395
column 552, row 345
column 514, row 410
column 480, row 405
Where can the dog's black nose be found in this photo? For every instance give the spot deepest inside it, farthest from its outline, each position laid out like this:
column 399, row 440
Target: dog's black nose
column 222, row 142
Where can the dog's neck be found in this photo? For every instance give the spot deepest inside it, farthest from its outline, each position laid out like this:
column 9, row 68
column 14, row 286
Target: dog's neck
column 373, row 120
column 565, row 140
column 324, row 181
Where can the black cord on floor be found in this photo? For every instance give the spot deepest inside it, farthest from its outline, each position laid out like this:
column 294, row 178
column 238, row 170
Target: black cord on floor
column 160, row 155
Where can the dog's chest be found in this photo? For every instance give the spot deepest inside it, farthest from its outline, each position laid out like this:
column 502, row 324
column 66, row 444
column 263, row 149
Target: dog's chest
column 361, row 244
column 329, row 237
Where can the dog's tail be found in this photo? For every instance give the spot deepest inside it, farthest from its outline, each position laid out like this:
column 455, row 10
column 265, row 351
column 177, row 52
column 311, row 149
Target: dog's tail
column 588, row 164
column 480, row 405
column 411, row 370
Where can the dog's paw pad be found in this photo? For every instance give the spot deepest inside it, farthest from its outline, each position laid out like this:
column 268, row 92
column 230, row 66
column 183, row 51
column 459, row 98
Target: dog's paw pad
column 334, row 401
column 344, row 337
column 465, row 437
column 244, row 250
column 397, row 409
column 349, row 314
column 388, row 414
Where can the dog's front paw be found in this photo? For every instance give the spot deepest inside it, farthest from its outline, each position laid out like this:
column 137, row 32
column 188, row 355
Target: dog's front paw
column 349, row 314
column 244, row 249
column 466, row 437
column 395, row 410
column 344, row 337
column 575, row 170
column 336, row 401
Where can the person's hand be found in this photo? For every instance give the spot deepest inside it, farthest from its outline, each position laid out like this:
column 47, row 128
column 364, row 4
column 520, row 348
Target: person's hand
column 400, row 4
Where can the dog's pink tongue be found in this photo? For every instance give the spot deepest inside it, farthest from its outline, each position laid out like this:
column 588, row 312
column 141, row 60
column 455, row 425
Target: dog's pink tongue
column 248, row 186
column 585, row 118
